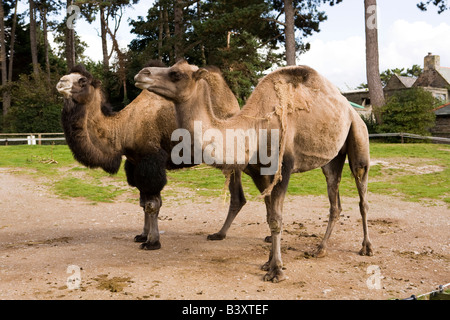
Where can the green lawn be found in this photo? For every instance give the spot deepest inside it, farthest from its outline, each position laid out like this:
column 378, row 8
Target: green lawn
column 414, row 172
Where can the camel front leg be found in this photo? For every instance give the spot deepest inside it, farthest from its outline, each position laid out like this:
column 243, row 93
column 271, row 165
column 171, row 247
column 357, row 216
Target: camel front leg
column 150, row 234
column 237, row 201
column 274, row 206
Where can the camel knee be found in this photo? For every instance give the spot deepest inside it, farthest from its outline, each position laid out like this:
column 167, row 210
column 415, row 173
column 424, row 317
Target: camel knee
column 152, row 207
column 275, row 224
column 335, row 213
column 364, row 206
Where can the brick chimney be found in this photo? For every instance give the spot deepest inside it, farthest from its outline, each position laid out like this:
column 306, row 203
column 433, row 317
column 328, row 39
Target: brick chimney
column 431, row 62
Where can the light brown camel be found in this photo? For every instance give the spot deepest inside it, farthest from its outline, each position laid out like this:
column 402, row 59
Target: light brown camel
column 142, row 132
column 310, row 121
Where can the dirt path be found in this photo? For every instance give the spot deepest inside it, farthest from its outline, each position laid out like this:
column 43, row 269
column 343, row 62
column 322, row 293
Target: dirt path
column 42, row 235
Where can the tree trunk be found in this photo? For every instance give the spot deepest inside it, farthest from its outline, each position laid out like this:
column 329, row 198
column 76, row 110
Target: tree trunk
column 103, row 26
column 289, row 33
column 178, row 31
column 122, row 64
column 167, row 30
column 70, row 44
column 372, row 59
column 3, row 55
column 33, row 40
column 13, row 41
column 46, row 45
column 160, row 33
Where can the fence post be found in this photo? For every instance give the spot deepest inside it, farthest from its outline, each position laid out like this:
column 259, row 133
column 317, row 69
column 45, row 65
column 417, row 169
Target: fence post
column 401, row 135
column 39, row 138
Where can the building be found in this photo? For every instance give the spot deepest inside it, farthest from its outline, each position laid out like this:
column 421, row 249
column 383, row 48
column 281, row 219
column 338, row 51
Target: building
column 442, row 128
column 434, row 78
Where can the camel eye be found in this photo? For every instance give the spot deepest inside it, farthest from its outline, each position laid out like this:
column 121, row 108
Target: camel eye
column 175, row 76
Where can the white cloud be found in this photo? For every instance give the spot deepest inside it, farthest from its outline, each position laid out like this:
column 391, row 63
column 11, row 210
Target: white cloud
column 407, row 43
column 401, row 45
column 341, row 61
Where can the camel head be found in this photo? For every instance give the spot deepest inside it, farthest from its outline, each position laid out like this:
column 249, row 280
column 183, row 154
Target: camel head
column 78, row 85
column 176, row 83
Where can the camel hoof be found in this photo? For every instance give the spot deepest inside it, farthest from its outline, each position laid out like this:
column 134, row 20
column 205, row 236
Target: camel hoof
column 320, row 252
column 140, row 238
column 215, row 237
column 366, row 251
column 266, row 266
column 268, row 239
column 151, row 246
column 275, row 276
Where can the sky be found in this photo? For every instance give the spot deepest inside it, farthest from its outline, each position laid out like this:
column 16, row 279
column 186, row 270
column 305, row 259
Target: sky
column 406, row 36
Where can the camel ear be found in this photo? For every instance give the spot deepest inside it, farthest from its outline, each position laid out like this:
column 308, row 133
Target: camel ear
column 200, row 74
column 82, row 82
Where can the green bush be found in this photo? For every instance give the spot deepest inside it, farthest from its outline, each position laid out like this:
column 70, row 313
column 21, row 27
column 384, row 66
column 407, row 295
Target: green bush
column 409, row 111
column 35, row 107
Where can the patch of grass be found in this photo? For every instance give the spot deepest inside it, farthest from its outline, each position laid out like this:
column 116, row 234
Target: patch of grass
column 209, row 182
column 74, row 187
column 34, row 158
column 35, row 161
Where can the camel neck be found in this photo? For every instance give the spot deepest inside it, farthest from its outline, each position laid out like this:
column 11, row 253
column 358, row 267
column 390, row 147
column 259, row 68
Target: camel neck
column 90, row 135
column 197, row 108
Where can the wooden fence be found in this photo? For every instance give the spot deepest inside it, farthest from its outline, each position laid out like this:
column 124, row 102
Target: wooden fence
column 30, row 138
column 38, row 138
column 411, row 136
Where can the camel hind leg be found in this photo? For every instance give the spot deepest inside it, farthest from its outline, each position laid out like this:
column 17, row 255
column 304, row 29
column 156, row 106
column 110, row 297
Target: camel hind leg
column 333, row 173
column 359, row 160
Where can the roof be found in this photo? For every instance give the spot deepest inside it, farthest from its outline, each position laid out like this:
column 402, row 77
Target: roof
column 406, row 81
column 445, row 73
column 443, row 110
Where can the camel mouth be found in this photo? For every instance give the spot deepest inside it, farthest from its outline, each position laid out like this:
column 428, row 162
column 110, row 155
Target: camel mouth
column 64, row 87
column 142, row 85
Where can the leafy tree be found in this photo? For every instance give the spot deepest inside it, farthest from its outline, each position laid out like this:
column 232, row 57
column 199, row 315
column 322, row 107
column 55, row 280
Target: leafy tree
column 301, row 15
column 227, row 33
column 36, row 107
column 442, row 5
column 409, row 111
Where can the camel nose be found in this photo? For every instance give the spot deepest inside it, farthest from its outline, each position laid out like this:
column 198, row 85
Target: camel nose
column 62, row 84
column 143, row 72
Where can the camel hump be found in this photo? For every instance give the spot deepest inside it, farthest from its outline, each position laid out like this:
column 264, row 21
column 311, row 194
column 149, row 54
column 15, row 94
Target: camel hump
column 298, row 75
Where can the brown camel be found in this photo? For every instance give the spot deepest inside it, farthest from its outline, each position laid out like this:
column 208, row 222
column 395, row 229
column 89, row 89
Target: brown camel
column 142, row 132
column 311, row 126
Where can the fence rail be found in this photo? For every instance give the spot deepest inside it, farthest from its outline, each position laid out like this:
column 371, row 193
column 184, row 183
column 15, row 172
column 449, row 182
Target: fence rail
column 31, row 138
column 410, row 135
column 38, row 138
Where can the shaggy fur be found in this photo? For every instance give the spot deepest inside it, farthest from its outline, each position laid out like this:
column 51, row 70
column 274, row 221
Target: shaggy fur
column 151, row 168
column 82, row 150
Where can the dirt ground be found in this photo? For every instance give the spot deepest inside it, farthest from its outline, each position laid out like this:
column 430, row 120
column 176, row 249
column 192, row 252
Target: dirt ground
column 42, row 236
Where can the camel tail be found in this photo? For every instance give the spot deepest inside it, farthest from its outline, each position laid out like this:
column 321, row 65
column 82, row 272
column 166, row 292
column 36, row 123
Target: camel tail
column 358, row 149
